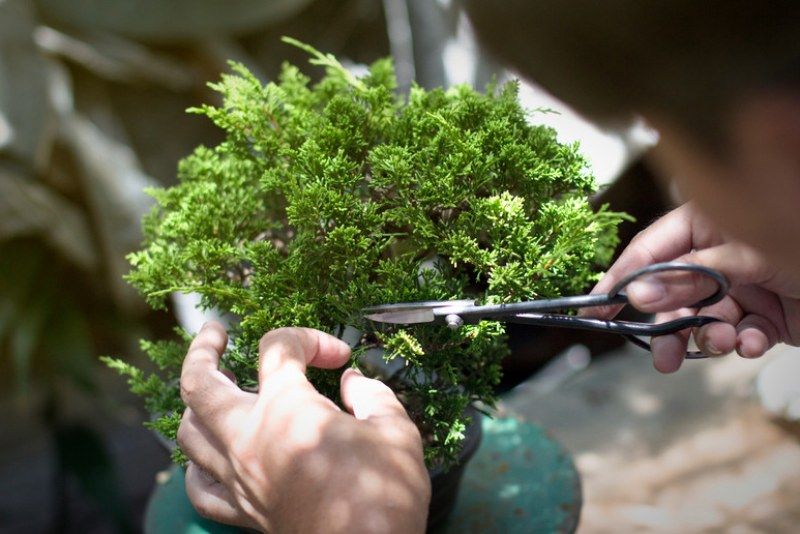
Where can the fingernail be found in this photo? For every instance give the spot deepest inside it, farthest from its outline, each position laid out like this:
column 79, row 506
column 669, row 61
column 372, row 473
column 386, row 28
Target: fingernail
column 712, row 349
column 642, row 292
column 746, row 351
column 355, row 370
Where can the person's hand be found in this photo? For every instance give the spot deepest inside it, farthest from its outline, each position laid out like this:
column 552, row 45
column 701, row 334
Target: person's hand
column 761, row 309
column 288, row 459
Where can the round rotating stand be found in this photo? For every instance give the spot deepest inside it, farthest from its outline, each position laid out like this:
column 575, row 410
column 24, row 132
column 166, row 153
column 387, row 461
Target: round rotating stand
column 520, row 481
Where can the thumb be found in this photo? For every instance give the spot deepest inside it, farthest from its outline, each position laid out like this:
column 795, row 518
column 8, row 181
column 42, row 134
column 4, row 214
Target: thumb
column 365, row 397
column 671, row 290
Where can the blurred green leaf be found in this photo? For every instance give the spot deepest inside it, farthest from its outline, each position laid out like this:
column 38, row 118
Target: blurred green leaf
column 83, row 455
column 42, row 325
column 70, row 346
column 21, row 314
column 23, row 342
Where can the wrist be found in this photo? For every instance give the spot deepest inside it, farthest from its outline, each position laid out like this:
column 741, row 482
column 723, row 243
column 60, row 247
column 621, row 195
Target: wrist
column 369, row 497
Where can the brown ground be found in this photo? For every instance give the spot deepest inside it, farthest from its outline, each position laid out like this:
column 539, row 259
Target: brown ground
column 690, row 452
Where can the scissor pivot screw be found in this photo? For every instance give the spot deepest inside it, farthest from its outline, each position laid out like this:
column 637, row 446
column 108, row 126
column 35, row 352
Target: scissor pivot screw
column 453, row 321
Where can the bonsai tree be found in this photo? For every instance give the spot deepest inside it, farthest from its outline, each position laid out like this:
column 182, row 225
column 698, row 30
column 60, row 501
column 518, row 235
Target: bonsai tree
column 324, row 199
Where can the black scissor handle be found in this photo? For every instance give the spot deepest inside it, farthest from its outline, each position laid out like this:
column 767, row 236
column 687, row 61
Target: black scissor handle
column 628, row 329
column 616, row 292
column 690, row 354
column 722, row 289
column 633, row 329
column 625, row 328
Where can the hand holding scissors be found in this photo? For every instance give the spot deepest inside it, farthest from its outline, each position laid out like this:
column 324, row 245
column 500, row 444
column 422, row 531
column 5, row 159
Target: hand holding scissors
column 455, row 313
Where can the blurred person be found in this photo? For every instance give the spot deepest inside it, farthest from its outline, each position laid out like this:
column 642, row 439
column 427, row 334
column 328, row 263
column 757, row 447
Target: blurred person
column 720, row 81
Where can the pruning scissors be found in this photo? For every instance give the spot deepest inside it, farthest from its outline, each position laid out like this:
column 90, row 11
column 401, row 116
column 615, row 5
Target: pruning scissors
column 454, row 313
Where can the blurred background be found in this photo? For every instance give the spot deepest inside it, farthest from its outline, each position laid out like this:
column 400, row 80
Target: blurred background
column 92, row 100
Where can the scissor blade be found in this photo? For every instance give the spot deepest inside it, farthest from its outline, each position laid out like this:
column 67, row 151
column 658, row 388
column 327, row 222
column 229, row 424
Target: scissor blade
column 413, row 316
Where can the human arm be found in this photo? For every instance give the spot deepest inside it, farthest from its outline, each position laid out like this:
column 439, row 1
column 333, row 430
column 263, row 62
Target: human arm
column 288, row 459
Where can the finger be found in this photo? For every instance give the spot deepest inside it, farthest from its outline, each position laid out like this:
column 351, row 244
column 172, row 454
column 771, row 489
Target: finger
column 286, row 352
column 365, row 397
column 668, row 291
column 669, row 351
column 755, row 335
column 756, row 300
column 211, row 499
column 667, row 238
column 213, row 398
column 201, row 379
column 721, row 338
column 716, row 339
column 229, row 374
column 201, row 447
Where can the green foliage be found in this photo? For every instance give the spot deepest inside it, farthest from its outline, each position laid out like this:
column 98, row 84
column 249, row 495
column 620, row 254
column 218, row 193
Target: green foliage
column 326, row 198
column 161, row 392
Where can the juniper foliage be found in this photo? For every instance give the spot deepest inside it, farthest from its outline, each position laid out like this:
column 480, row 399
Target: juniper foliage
column 325, row 198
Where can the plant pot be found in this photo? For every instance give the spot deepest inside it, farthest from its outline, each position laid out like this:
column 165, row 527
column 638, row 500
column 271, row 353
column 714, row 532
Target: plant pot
column 445, row 484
